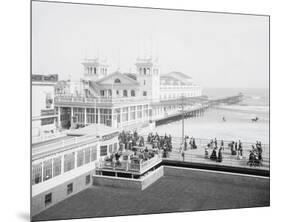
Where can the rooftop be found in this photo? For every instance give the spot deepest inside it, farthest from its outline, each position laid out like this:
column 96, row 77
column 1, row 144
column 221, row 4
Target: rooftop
column 93, row 130
column 186, row 190
column 72, row 139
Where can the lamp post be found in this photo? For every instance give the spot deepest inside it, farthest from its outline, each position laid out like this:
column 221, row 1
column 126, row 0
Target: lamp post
column 182, row 106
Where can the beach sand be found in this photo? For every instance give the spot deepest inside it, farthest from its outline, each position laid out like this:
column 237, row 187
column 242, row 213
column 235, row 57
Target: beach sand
column 238, row 125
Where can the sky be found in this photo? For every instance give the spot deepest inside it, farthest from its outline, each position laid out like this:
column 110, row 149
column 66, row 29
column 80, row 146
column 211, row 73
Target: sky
column 216, row 50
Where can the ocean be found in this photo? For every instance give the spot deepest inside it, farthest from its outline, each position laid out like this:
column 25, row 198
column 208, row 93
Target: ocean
column 238, row 124
column 252, row 97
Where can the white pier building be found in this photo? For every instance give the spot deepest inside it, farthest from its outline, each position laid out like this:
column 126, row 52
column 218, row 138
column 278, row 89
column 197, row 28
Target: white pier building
column 123, row 99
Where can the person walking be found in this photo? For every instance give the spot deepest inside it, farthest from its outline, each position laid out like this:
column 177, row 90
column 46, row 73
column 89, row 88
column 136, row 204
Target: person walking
column 182, row 155
column 222, row 144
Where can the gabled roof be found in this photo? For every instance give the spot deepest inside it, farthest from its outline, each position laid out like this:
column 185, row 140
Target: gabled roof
column 176, row 76
column 179, row 74
column 131, row 75
column 119, row 75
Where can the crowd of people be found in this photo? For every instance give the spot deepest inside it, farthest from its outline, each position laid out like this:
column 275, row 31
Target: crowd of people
column 161, row 142
column 236, row 149
column 216, row 154
column 129, row 139
column 213, row 150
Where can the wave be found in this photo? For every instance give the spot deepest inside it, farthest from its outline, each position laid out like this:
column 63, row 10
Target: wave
column 252, row 97
column 245, row 108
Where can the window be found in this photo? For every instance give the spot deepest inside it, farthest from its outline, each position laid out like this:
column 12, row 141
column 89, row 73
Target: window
column 47, row 121
column 93, row 153
column 57, row 166
column 95, row 70
column 103, row 150
column 117, row 92
column 92, row 115
column 69, row 161
column 80, row 158
column 144, row 93
column 110, row 148
column 88, row 179
column 102, row 92
column 125, row 114
column 115, row 147
column 132, row 113
column 79, row 113
column 47, row 169
column 143, row 82
column 105, row 116
column 48, row 100
column 87, row 155
column 133, row 93
column 144, row 71
column 145, row 111
column 139, row 112
column 125, row 93
column 69, row 188
column 48, row 199
column 117, row 81
column 37, row 173
column 148, row 71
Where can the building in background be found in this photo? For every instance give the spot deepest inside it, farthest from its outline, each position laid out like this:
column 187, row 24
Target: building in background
column 124, row 100
column 44, row 117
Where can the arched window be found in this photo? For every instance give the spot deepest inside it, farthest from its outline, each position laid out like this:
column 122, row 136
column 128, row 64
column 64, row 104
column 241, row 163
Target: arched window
column 148, row 71
column 125, row 93
column 117, row 81
column 133, row 93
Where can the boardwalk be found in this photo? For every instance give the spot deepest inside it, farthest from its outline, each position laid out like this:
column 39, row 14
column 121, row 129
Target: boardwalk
column 198, row 155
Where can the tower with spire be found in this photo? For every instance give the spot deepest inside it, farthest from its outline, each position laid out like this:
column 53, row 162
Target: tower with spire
column 148, row 75
column 95, row 69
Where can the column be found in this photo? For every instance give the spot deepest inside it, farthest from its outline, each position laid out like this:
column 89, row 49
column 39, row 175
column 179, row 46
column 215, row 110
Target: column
column 71, row 117
column 114, row 118
column 62, row 164
column 98, row 113
column 85, row 116
column 52, row 167
column 75, row 159
column 42, row 170
column 121, row 117
column 59, row 118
